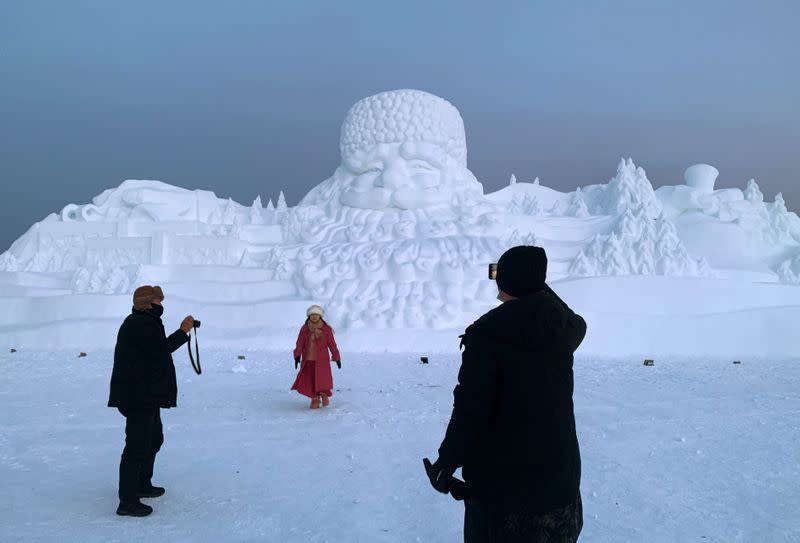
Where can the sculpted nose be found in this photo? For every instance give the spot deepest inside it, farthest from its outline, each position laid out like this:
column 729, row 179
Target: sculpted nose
column 392, row 178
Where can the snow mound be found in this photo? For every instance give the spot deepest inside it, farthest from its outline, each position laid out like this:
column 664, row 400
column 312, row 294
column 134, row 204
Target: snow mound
column 789, row 270
column 778, row 224
column 638, row 245
column 527, row 205
column 629, row 189
column 577, row 205
column 532, row 199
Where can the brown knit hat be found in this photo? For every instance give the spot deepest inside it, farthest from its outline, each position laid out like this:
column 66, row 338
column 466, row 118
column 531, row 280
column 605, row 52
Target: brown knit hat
column 143, row 296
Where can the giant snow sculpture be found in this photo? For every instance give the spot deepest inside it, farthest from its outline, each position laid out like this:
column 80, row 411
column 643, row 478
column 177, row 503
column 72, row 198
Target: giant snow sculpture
column 397, row 236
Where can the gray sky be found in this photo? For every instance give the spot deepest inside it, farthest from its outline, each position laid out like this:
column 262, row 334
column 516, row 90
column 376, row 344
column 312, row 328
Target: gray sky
column 246, row 97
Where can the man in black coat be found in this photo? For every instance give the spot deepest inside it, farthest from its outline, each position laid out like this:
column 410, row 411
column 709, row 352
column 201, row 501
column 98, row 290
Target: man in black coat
column 142, row 382
column 512, row 429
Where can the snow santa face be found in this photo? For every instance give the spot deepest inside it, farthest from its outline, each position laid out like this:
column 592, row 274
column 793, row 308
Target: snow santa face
column 403, row 175
column 404, row 149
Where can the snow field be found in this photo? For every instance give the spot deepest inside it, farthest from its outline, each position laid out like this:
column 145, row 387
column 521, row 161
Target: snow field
column 691, row 449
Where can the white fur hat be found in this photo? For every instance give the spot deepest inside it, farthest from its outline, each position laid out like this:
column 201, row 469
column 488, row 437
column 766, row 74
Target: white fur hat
column 315, row 309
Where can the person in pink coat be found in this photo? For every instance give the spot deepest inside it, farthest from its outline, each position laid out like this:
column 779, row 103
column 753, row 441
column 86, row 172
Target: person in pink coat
column 313, row 342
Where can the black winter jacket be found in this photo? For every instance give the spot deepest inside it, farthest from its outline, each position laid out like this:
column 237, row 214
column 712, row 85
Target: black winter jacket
column 144, row 374
column 513, row 424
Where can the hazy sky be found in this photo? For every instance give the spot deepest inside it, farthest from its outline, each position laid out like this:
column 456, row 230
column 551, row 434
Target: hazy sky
column 247, row 97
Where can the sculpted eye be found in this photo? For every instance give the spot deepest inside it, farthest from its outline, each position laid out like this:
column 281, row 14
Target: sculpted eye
column 423, row 166
column 370, row 171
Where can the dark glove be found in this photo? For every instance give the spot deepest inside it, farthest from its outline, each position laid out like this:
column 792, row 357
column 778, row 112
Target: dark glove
column 296, row 361
column 338, row 364
column 441, row 475
column 459, row 489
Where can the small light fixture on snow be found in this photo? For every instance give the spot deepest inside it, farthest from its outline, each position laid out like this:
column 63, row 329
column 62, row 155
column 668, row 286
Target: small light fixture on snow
column 423, row 359
column 737, row 361
column 81, row 355
column 240, row 357
column 649, row 362
column 13, row 350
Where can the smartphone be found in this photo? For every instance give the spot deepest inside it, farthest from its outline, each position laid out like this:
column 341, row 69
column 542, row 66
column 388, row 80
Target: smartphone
column 493, row 271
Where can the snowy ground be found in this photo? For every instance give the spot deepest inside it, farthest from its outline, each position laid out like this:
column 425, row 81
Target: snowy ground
column 687, row 450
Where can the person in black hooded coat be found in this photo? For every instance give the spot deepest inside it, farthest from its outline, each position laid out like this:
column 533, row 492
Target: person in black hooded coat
column 142, row 382
column 512, row 429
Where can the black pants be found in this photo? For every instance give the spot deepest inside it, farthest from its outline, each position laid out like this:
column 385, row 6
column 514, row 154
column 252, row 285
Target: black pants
column 144, row 436
column 484, row 523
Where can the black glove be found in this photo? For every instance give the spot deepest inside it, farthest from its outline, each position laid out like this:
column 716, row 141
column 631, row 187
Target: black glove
column 459, row 489
column 441, row 475
column 338, row 364
column 296, row 361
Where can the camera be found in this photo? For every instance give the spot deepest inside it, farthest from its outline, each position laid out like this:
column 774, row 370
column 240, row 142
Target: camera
column 493, row 271
column 196, row 323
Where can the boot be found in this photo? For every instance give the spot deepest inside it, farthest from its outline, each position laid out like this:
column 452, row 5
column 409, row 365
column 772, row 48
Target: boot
column 134, row 509
column 315, row 402
column 326, row 401
column 151, row 491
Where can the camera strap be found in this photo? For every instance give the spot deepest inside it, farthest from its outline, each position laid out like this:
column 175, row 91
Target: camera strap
column 195, row 366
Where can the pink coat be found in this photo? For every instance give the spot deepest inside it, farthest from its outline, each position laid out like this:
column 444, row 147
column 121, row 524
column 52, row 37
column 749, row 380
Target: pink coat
column 315, row 376
column 323, row 344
